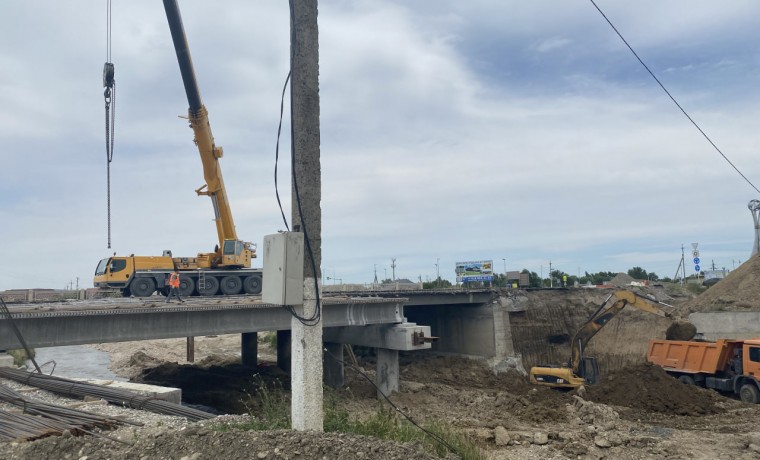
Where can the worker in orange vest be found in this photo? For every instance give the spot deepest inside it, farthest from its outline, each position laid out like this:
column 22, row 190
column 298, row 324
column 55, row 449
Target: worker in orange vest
column 173, row 287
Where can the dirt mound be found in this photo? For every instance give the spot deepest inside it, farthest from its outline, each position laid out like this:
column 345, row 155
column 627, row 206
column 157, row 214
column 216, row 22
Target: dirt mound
column 648, row 387
column 461, row 372
column 439, row 382
column 681, row 330
column 142, row 360
column 203, row 443
column 740, row 290
column 621, row 279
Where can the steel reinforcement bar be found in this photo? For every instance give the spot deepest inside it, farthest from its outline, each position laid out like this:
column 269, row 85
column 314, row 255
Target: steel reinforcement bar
column 113, row 395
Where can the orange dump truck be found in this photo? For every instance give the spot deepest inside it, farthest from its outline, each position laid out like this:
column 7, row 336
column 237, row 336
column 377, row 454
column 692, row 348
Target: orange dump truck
column 725, row 365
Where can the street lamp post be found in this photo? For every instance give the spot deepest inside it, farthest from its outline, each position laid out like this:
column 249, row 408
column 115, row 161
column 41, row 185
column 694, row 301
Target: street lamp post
column 505, row 270
column 437, row 272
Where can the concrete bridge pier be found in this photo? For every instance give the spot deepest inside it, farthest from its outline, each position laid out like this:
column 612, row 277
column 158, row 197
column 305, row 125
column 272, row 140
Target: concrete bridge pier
column 283, row 350
column 334, row 368
column 249, row 349
column 387, row 372
column 388, row 340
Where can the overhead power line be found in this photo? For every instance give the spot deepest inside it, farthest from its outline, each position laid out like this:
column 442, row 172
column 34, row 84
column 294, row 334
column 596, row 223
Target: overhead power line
column 671, row 96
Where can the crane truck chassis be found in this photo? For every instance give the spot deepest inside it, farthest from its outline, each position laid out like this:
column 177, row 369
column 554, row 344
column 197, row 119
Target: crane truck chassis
column 584, row 369
column 725, row 365
column 141, row 276
column 227, row 270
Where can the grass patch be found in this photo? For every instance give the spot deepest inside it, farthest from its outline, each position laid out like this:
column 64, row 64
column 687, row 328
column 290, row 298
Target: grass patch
column 269, row 409
column 20, row 356
column 438, row 438
column 695, row 288
column 270, row 339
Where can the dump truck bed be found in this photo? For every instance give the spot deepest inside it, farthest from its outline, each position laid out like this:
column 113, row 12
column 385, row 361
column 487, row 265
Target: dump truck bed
column 690, row 357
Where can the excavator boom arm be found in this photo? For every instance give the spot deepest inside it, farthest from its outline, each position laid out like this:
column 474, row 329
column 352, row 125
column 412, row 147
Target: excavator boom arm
column 601, row 317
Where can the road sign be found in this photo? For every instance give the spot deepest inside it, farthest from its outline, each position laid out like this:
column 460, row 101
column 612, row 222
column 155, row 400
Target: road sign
column 696, row 268
column 696, row 261
column 694, row 246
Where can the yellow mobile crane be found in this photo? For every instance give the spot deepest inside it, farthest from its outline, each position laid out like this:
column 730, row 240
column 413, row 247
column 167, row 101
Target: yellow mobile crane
column 227, row 270
column 584, row 369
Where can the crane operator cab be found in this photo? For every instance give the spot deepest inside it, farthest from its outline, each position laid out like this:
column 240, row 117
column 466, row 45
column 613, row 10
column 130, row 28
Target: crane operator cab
column 237, row 253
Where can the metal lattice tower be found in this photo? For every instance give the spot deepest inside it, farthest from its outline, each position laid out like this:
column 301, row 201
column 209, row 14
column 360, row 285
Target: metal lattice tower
column 754, row 208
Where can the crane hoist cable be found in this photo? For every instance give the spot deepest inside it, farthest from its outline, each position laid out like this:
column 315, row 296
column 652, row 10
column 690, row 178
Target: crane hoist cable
column 109, row 83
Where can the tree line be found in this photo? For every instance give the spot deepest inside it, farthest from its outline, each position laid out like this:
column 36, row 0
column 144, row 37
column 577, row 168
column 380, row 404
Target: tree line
column 555, row 279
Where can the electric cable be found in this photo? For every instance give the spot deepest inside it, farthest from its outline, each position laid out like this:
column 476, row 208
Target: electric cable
column 434, row 436
column 277, row 152
column 671, row 96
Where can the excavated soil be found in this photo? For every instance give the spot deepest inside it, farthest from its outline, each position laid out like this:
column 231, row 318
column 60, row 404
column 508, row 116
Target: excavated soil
column 648, row 388
column 201, row 443
column 637, row 411
column 739, row 291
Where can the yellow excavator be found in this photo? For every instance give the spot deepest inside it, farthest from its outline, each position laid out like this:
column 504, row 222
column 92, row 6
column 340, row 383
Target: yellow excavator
column 227, row 270
column 584, row 370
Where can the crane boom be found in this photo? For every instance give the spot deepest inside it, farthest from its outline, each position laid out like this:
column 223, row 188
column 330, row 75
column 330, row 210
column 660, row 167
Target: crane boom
column 204, row 139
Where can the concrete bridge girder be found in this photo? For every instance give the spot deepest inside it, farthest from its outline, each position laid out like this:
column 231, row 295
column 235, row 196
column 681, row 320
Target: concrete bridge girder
column 83, row 327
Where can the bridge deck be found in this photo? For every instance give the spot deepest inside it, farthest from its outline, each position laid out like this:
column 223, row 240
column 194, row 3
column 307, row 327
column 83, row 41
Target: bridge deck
column 117, row 320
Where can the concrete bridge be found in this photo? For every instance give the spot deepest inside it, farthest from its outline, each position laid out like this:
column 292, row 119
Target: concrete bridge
column 462, row 318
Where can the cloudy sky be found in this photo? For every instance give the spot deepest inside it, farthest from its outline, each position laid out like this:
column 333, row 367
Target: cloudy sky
column 451, row 131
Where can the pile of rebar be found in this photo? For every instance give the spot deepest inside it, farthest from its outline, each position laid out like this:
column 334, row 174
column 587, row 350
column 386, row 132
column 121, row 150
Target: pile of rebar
column 113, row 395
column 40, row 419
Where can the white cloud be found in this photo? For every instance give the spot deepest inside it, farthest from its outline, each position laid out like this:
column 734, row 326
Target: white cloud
column 449, row 130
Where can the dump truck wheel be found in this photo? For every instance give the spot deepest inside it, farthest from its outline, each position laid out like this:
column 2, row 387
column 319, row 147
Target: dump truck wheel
column 749, row 393
column 252, row 284
column 143, row 287
column 230, row 285
column 686, row 379
column 212, row 286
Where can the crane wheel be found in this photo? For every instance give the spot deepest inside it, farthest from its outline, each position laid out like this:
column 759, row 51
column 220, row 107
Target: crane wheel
column 211, row 286
column 252, row 284
column 749, row 393
column 231, row 285
column 186, row 286
column 143, row 287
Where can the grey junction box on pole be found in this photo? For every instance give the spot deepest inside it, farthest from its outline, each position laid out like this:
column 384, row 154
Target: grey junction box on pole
column 283, row 269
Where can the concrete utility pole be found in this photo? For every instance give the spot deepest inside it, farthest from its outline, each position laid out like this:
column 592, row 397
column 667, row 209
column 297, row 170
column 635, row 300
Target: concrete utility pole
column 551, row 276
column 306, row 341
column 437, row 272
column 393, row 266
